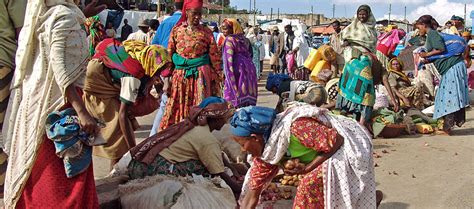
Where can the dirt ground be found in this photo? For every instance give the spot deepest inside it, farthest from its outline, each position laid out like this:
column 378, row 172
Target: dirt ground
column 421, row 171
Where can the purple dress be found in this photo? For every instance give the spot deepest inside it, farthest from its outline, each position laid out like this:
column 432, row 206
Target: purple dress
column 240, row 87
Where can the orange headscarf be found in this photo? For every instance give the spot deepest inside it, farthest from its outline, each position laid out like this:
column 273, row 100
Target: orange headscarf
column 189, row 4
column 234, row 24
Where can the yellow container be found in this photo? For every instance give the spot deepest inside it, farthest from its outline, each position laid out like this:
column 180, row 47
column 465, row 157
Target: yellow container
column 317, row 69
column 424, row 128
column 327, row 53
column 313, row 58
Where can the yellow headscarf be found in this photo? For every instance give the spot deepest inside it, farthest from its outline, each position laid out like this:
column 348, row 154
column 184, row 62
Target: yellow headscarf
column 133, row 48
column 234, row 24
column 153, row 58
column 399, row 73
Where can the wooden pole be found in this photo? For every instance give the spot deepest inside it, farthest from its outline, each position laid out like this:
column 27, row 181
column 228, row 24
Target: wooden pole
column 389, row 13
column 278, row 13
column 271, row 13
column 312, row 16
column 254, row 13
column 158, row 9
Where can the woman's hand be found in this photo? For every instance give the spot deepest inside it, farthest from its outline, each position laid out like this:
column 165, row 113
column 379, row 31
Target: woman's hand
column 423, row 54
column 88, row 123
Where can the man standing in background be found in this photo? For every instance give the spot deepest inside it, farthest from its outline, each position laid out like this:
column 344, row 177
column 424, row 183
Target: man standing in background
column 126, row 30
column 161, row 38
column 12, row 13
column 335, row 42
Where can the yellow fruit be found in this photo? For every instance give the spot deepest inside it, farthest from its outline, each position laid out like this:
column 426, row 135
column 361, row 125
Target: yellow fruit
column 284, row 182
column 291, row 182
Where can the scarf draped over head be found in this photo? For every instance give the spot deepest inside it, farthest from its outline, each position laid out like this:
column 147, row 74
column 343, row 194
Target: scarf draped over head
column 252, row 120
column 274, row 80
column 210, row 108
column 399, row 73
column 189, row 4
column 96, row 32
column 154, row 58
column 134, row 48
column 362, row 34
column 234, row 25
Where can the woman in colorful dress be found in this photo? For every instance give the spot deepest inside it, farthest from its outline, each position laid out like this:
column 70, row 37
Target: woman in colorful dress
column 313, row 136
column 240, row 85
column 51, row 60
column 197, row 62
column 114, row 82
column 452, row 96
column 411, row 95
column 362, row 71
column 188, row 146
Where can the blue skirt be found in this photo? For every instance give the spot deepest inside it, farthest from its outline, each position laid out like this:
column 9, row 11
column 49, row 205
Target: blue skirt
column 453, row 92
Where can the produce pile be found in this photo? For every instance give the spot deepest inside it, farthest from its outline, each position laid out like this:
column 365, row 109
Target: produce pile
column 274, row 193
column 291, row 165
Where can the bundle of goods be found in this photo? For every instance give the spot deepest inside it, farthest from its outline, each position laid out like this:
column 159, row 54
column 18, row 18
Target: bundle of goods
column 417, row 121
column 319, row 63
column 387, row 123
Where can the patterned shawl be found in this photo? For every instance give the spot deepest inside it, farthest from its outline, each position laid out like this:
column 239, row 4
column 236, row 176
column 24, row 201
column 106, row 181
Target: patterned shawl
column 154, row 58
column 359, row 33
column 234, row 25
column 96, row 32
column 215, row 108
column 399, row 73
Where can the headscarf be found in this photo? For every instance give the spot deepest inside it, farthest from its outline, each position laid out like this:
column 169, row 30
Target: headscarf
column 363, row 34
column 234, row 25
column 210, row 108
column 252, row 120
column 274, row 80
column 134, row 48
column 96, row 32
column 153, row 58
column 189, row 4
column 399, row 73
column 113, row 54
column 454, row 17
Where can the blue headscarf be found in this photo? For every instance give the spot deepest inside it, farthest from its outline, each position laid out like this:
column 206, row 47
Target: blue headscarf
column 274, row 80
column 252, row 120
column 210, row 100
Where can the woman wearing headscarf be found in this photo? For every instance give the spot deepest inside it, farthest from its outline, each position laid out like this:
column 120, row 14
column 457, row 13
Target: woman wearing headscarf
column 387, row 43
column 410, row 95
column 51, row 59
column 240, row 85
column 96, row 32
column 197, row 62
column 452, row 96
column 188, row 146
column 313, row 137
column 362, row 71
column 116, row 79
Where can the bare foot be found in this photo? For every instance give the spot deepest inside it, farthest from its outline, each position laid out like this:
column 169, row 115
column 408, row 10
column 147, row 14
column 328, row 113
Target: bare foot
column 378, row 197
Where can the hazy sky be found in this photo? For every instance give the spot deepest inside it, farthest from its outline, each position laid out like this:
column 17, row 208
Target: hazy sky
column 442, row 10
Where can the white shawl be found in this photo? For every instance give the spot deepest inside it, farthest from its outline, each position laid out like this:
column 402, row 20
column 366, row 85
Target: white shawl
column 51, row 55
column 350, row 179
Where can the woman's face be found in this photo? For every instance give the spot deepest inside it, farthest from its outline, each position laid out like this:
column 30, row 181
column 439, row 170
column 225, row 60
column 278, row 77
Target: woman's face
column 217, row 123
column 194, row 16
column 226, row 30
column 250, row 144
column 422, row 28
column 363, row 16
column 396, row 65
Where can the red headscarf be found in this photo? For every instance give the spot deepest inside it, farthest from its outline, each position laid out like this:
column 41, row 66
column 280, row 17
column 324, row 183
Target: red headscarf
column 189, row 4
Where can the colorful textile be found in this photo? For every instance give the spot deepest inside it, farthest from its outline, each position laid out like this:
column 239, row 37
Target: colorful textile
column 453, row 93
column 48, row 186
column 72, row 144
column 452, row 52
column 240, row 85
column 96, row 32
column 387, row 42
column 400, row 72
column 274, row 80
column 154, row 58
column 260, row 174
column 384, row 117
column 356, row 84
column 161, row 166
column 147, row 150
column 63, row 39
column 113, row 54
column 359, row 33
column 252, row 120
column 134, row 48
column 234, row 25
column 310, row 191
column 190, row 66
column 188, row 92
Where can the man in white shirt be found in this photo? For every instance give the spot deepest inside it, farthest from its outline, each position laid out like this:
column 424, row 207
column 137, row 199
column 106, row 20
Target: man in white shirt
column 141, row 34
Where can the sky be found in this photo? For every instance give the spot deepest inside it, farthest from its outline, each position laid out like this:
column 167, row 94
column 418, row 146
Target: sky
column 442, row 10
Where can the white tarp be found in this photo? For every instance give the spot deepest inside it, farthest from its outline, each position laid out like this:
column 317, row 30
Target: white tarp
column 133, row 18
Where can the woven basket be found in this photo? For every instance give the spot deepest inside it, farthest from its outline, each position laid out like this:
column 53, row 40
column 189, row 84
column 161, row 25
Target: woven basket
column 392, row 130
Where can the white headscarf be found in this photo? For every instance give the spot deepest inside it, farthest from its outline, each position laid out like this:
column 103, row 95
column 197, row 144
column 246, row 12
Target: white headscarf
column 360, row 33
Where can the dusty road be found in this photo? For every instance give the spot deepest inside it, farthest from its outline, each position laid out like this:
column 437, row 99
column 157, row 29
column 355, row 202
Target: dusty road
column 422, row 171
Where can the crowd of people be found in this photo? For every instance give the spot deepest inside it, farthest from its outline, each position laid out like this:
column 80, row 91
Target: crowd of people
column 77, row 88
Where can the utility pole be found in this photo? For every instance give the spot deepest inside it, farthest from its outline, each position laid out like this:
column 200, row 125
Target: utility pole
column 158, row 9
column 405, row 19
column 333, row 10
column 389, row 13
column 254, row 13
column 311, row 15
column 465, row 13
column 271, row 13
column 250, row 6
column 278, row 13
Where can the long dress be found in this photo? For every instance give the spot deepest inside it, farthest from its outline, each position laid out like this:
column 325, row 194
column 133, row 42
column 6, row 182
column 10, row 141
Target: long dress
column 190, row 90
column 52, row 54
column 240, row 86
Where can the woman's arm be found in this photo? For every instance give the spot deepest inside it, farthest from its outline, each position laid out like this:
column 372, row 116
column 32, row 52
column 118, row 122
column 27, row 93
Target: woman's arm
column 125, row 125
column 323, row 157
column 87, row 122
column 400, row 95
column 390, row 93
